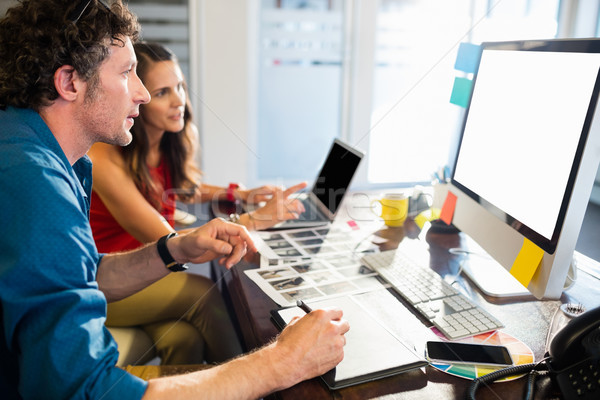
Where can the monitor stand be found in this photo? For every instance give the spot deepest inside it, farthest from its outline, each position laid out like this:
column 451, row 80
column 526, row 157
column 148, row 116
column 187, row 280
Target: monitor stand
column 488, row 274
column 492, row 278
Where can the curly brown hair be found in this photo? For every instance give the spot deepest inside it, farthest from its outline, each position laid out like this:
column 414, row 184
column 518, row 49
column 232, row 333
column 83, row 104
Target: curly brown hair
column 39, row 36
column 176, row 147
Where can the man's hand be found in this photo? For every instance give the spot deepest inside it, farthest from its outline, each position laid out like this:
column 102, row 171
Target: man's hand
column 308, row 347
column 211, row 240
column 313, row 344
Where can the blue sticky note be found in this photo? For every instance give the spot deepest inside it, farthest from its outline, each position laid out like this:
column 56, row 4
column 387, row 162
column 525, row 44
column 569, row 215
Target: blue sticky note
column 467, row 57
column 461, row 92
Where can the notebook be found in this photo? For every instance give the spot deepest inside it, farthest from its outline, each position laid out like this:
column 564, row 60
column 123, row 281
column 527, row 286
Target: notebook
column 323, row 201
column 371, row 352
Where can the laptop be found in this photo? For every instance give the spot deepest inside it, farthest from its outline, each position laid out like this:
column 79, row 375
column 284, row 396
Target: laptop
column 323, row 201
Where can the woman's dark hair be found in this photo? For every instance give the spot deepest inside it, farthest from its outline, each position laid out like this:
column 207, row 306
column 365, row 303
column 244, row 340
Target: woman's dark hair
column 177, row 148
column 39, row 36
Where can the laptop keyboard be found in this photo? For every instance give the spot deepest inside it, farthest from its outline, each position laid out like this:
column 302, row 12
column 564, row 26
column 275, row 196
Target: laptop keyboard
column 311, row 212
column 454, row 314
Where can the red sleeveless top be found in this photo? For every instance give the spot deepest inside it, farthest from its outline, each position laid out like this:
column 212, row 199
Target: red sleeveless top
column 109, row 236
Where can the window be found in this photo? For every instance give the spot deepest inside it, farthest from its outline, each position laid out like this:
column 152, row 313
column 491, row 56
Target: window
column 278, row 80
column 413, row 124
column 299, row 86
column 166, row 24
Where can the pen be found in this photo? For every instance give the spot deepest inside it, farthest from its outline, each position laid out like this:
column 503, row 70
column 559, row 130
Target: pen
column 303, row 306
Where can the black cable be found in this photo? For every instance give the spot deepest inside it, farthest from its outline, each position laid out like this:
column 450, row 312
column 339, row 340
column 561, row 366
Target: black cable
column 530, row 384
column 501, row 373
column 529, row 389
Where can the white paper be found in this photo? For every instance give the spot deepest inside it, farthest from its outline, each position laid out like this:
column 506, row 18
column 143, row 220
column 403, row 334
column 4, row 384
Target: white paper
column 316, row 278
column 322, row 241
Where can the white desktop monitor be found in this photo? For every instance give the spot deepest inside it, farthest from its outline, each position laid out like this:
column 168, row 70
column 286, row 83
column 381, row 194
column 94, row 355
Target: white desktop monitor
column 529, row 152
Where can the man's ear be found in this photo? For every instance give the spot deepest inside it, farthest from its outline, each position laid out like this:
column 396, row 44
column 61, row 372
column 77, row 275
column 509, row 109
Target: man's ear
column 67, row 83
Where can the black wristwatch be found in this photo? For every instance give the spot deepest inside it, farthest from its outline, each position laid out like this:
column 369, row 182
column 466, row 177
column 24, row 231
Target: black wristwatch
column 166, row 256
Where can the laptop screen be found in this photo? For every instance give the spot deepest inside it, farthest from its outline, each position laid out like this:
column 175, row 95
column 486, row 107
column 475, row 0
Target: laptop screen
column 335, row 176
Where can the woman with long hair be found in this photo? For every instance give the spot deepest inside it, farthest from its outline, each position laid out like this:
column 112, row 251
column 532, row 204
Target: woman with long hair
column 135, row 189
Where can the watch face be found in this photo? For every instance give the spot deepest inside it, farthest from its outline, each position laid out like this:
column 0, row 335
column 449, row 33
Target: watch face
column 235, row 218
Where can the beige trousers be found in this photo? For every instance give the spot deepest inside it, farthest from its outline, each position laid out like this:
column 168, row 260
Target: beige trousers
column 184, row 315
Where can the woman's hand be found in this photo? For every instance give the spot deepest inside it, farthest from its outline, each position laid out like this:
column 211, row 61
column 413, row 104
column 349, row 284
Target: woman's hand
column 279, row 208
column 256, row 195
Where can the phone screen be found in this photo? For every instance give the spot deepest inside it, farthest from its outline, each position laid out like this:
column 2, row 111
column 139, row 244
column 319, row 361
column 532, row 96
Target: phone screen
column 466, row 353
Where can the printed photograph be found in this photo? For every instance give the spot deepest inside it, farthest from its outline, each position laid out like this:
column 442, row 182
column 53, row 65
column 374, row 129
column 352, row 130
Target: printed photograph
column 304, row 294
column 287, row 283
column 277, row 273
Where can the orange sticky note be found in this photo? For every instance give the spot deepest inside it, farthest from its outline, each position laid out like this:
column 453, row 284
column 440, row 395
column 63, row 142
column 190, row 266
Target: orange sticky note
column 527, row 262
column 448, row 208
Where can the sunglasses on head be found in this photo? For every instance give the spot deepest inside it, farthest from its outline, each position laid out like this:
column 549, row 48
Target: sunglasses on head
column 80, row 9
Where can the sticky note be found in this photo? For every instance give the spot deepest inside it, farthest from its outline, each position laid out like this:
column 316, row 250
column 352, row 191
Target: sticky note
column 427, row 215
column 461, row 92
column 421, row 219
column 448, row 208
column 527, row 262
column 467, row 57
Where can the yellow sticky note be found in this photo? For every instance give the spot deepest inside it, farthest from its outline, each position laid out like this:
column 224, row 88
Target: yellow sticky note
column 421, row 219
column 527, row 262
column 448, row 208
column 427, row 215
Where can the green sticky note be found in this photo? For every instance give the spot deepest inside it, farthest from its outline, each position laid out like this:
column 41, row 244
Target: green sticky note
column 461, row 92
column 527, row 262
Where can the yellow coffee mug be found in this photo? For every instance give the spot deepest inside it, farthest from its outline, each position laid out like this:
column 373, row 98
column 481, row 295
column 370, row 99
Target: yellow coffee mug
column 394, row 208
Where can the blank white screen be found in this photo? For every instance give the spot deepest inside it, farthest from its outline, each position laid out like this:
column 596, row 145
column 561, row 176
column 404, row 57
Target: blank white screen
column 524, row 123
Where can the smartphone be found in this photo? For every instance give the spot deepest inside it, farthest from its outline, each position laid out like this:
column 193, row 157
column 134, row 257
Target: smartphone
column 467, row 353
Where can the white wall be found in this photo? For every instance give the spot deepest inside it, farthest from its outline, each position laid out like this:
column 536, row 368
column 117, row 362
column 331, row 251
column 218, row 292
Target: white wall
column 221, row 92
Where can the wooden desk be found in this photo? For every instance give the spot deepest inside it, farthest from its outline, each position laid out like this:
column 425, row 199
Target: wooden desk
column 526, row 319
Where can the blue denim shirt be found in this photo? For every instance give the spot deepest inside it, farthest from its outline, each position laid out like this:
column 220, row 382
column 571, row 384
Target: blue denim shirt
column 53, row 343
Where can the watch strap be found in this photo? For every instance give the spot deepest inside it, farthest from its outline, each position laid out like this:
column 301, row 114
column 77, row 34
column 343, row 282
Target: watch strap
column 165, row 255
column 230, row 191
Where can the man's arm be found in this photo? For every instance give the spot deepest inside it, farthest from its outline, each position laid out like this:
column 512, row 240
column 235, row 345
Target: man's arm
column 306, row 348
column 123, row 274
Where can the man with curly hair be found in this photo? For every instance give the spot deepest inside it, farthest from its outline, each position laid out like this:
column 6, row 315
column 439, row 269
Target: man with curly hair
column 67, row 80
